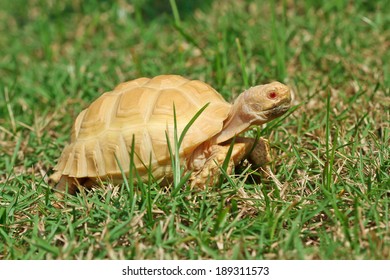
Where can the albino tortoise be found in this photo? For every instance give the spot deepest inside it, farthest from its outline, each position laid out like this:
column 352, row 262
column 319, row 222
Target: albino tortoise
column 142, row 109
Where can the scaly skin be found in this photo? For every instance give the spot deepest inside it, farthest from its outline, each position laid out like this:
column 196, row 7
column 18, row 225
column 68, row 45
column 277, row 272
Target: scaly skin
column 207, row 162
column 255, row 106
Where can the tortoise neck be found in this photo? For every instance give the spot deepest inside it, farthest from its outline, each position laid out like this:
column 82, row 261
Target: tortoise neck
column 240, row 118
column 234, row 125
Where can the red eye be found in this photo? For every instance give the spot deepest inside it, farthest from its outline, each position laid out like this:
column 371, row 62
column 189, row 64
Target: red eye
column 272, row 95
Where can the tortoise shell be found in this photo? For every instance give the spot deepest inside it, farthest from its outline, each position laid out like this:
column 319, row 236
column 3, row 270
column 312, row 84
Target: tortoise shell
column 102, row 134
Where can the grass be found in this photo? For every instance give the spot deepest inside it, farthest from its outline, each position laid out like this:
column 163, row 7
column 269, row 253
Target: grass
column 331, row 152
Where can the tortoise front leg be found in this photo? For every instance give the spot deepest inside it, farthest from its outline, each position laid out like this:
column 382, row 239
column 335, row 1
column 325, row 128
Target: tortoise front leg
column 206, row 163
column 257, row 151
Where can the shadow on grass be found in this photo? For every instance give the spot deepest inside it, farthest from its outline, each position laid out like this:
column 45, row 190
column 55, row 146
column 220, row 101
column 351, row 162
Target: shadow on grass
column 151, row 9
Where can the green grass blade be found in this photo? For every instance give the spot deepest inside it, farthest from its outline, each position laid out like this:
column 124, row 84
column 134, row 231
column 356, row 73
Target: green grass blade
column 225, row 165
column 279, row 43
column 175, row 12
column 242, row 63
column 174, row 151
column 190, row 123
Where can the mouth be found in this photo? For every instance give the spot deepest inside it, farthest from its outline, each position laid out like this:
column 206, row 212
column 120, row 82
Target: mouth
column 277, row 111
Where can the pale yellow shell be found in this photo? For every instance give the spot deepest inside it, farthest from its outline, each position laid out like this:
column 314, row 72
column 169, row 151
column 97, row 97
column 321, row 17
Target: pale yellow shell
column 102, row 134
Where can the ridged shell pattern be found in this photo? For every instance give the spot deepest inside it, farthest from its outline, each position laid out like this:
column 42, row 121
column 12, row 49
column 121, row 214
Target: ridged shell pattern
column 102, row 134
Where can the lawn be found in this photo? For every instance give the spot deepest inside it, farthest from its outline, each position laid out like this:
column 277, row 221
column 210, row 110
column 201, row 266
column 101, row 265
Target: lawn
column 329, row 197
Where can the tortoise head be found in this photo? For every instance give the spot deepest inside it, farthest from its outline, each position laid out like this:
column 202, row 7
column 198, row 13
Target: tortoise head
column 264, row 103
column 256, row 106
